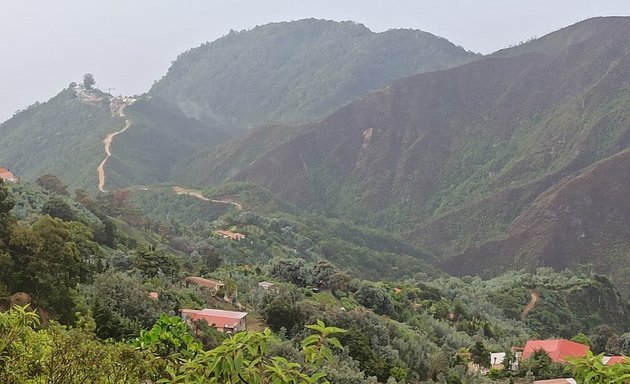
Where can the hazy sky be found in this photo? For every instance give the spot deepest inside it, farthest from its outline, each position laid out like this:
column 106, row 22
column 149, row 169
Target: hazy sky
column 127, row 44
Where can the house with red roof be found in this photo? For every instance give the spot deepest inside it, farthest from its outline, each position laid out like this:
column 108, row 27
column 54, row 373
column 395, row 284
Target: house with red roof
column 7, row 175
column 556, row 381
column 610, row 360
column 230, row 235
column 213, row 285
column 559, row 349
column 224, row 321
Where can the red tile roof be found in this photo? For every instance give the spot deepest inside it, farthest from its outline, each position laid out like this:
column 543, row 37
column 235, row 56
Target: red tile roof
column 207, row 283
column 558, row 349
column 556, row 381
column 7, row 175
column 215, row 317
column 610, row 360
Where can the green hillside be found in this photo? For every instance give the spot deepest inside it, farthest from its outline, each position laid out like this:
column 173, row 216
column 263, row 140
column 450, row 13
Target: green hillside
column 278, row 72
column 450, row 159
column 61, row 136
column 296, row 71
column 116, row 295
column 64, row 136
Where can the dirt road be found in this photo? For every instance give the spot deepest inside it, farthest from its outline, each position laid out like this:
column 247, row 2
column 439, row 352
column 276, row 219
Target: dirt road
column 532, row 302
column 108, row 146
column 183, row 191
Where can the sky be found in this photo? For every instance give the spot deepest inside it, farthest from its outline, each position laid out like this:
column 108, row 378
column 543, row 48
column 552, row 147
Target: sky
column 128, row 44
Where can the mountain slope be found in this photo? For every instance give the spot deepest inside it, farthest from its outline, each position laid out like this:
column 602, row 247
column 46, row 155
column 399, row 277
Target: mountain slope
column 453, row 157
column 297, row 71
column 64, row 136
column 584, row 219
column 61, row 136
column 294, row 71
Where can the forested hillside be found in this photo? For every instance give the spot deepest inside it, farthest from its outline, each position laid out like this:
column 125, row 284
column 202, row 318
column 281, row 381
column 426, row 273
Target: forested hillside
column 292, row 71
column 64, row 136
column 123, row 275
column 297, row 71
column 453, row 158
column 40, row 139
column 376, row 229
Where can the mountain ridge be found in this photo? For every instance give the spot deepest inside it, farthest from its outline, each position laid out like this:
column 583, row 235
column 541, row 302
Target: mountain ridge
column 296, row 71
column 290, row 61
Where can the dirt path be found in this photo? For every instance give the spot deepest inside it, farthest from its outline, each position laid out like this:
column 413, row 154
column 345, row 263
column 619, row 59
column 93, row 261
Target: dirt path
column 531, row 304
column 108, row 146
column 183, row 191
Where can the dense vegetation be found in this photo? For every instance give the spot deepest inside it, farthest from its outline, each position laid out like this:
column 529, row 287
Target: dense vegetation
column 39, row 139
column 497, row 164
column 420, row 327
column 511, row 167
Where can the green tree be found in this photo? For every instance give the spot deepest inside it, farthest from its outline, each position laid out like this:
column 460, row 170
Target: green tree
column 244, row 358
column 56, row 207
column 88, row 81
column 541, row 365
column 53, row 184
column 375, row 298
column 212, row 258
column 603, row 337
column 151, row 262
column 7, row 222
column 122, row 307
column 59, row 354
column 284, row 310
column 6, row 219
column 479, row 354
column 582, row 339
column 591, row 369
column 49, row 259
column 360, row 350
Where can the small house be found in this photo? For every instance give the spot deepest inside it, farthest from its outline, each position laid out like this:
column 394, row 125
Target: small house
column 559, row 349
column 556, row 381
column 224, row 321
column 230, row 235
column 269, row 287
column 610, row 360
column 7, row 175
column 496, row 360
column 213, row 285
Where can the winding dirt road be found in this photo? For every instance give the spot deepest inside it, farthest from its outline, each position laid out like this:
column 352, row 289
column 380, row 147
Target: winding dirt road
column 183, row 191
column 532, row 302
column 108, row 145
